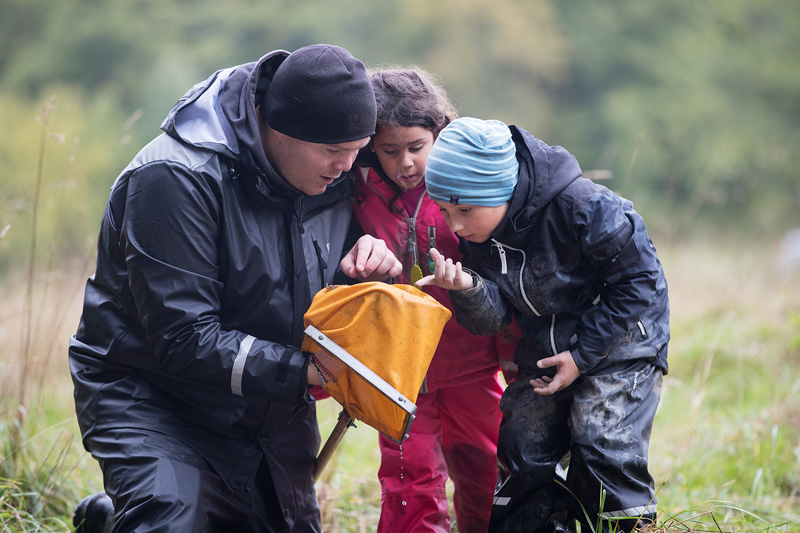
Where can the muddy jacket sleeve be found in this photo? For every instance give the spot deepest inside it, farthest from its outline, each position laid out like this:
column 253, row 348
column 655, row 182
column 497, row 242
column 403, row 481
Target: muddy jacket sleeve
column 482, row 310
column 614, row 241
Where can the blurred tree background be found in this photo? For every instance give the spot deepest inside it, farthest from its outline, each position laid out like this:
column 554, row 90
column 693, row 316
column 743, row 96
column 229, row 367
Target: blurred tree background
column 693, row 107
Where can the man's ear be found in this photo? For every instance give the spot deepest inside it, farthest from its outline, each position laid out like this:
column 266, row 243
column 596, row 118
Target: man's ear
column 266, row 130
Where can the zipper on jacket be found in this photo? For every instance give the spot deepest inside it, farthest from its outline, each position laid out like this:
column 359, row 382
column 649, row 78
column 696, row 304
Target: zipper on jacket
column 502, row 252
column 431, row 244
column 412, row 233
column 504, row 270
column 553, row 334
column 412, row 246
column 641, row 328
column 298, row 213
column 323, row 266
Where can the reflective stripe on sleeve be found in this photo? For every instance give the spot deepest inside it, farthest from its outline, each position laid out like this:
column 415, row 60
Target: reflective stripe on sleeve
column 238, row 364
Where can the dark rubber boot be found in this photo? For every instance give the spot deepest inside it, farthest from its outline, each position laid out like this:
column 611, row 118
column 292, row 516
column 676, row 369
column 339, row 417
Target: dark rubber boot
column 562, row 522
column 518, row 508
column 94, row 514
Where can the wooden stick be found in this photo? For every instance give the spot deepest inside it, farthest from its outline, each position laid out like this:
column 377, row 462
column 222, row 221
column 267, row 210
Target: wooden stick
column 332, row 443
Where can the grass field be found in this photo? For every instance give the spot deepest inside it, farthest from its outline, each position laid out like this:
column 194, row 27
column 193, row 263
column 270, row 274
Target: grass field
column 725, row 450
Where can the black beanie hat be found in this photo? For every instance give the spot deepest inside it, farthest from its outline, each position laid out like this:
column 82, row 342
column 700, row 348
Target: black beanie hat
column 321, row 94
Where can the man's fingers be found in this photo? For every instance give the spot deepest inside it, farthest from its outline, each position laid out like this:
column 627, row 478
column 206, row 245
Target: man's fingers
column 349, row 262
column 389, row 267
column 370, row 257
column 365, row 254
column 381, row 263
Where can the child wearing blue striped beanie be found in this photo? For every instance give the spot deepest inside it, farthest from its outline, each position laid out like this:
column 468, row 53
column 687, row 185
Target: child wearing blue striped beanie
column 473, row 162
column 571, row 262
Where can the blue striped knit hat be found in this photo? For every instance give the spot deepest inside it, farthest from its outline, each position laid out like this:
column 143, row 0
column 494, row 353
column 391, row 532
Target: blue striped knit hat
column 472, row 162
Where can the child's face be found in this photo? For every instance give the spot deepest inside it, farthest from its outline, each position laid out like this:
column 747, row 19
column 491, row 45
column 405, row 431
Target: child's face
column 403, row 153
column 474, row 223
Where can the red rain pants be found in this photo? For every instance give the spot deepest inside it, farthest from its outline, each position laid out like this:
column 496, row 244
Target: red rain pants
column 454, row 433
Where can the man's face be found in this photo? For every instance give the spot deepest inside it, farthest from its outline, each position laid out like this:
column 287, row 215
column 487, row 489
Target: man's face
column 310, row 167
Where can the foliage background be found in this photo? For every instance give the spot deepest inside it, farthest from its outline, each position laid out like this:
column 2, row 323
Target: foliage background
column 693, row 108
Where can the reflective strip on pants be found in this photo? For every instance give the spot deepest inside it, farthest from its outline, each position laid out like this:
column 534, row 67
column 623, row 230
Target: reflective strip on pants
column 633, row 512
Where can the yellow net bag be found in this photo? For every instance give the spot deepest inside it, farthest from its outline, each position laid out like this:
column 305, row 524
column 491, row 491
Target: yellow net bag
column 393, row 330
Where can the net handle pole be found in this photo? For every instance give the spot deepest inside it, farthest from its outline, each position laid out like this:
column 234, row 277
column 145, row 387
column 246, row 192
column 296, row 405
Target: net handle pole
column 332, row 443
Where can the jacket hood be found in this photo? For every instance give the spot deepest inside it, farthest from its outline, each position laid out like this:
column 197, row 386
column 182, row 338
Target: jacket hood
column 544, row 171
column 219, row 114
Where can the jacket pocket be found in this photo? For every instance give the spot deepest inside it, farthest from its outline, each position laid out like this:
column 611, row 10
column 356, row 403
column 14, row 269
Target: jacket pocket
column 192, row 403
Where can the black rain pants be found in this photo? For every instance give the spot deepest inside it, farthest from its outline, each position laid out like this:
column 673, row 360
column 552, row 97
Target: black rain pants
column 159, row 483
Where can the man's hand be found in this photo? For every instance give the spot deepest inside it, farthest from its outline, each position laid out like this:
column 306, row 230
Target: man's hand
column 447, row 275
column 370, row 260
column 566, row 372
column 323, row 363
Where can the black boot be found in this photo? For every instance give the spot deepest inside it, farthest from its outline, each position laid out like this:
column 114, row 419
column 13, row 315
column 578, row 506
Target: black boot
column 94, row 514
column 517, row 508
column 562, row 522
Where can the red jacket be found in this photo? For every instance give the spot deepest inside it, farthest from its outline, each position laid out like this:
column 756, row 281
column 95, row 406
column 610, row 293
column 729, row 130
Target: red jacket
column 461, row 357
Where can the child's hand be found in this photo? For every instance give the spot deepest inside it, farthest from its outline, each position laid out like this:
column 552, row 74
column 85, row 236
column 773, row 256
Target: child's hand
column 566, row 372
column 446, row 274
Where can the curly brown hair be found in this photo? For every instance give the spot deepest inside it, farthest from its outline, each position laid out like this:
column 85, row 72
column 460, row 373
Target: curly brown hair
column 409, row 97
column 406, row 97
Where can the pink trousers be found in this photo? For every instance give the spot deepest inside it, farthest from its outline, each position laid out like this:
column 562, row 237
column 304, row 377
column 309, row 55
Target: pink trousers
column 454, row 434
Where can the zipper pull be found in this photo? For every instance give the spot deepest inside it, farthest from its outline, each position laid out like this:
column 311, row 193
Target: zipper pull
column 323, row 266
column 318, row 248
column 431, row 244
column 502, row 252
column 412, row 241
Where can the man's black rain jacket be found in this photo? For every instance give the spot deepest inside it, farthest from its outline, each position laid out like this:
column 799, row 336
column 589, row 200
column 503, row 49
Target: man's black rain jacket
column 207, row 261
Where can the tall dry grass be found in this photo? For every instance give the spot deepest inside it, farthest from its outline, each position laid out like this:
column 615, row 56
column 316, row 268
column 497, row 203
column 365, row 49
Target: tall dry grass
column 40, row 465
column 726, row 445
column 725, row 450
